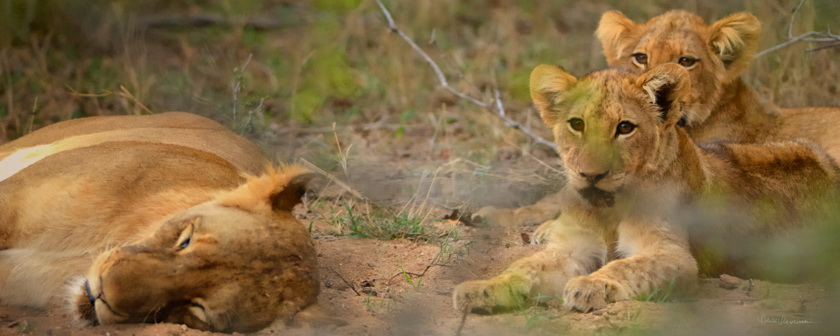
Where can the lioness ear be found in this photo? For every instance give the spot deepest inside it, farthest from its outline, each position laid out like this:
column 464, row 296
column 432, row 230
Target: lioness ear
column 735, row 40
column 614, row 31
column 286, row 198
column 668, row 86
column 547, row 82
column 278, row 189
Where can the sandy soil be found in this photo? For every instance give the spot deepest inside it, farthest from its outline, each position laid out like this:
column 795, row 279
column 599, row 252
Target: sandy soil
column 363, row 284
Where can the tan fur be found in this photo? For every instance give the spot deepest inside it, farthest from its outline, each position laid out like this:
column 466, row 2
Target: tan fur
column 108, row 200
column 720, row 107
column 636, row 201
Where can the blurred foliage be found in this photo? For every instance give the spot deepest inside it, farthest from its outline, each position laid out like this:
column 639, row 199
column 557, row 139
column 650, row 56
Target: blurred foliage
column 324, row 58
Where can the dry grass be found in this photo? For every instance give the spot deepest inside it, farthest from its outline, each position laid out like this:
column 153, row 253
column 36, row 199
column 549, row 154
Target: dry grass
column 334, row 61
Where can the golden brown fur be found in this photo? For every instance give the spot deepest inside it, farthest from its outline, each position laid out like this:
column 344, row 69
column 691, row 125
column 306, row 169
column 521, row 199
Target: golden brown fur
column 168, row 218
column 639, row 189
column 720, row 106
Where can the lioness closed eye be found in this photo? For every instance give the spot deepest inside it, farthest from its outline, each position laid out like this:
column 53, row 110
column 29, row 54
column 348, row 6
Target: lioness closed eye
column 634, row 175
column 162, row 218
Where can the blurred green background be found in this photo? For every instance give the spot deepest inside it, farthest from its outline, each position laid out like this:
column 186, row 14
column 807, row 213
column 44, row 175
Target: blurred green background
column 324, row 61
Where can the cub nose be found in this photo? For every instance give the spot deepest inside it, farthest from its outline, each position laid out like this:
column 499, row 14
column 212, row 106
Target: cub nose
column 593, row 177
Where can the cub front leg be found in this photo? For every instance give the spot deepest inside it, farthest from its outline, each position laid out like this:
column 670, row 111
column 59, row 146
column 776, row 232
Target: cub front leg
column 572, row 251
column 654, row 256
column 546, row 209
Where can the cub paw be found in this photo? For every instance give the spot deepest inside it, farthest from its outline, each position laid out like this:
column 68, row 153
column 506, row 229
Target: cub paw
column 491, row 296
column 540, row 235
column 588, row 293
column 492, row 216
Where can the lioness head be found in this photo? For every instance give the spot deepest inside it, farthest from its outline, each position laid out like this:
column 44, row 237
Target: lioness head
column 714, row 55
column 235, row 263
column 611, row 126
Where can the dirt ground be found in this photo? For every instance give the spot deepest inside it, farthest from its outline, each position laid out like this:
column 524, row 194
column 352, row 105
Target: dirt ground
column 364, row 284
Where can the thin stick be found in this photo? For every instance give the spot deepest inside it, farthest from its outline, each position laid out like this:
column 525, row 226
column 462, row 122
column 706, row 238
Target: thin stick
column 345, row 281
column 207, row 19
column 464, row 313
column 334, row 179
column 239, row 84
column 499, row 109
column 812, row 36
column 509, row 122
column 416, row 275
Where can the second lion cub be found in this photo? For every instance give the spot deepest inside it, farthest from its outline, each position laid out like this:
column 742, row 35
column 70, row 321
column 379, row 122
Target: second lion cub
column 644, row 205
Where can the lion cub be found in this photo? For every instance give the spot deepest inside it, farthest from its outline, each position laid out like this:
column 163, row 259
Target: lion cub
column 720, row 106
column 642, row 197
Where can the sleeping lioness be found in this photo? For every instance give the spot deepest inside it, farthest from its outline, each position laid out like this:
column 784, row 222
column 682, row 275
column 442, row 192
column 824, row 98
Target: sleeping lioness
column 644, row 206
column 162, row 218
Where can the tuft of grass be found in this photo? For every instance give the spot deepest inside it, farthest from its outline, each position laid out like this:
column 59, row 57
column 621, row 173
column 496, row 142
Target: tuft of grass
column 247, row 113
column 416, row 284
column 379, row 224
column 659, row 295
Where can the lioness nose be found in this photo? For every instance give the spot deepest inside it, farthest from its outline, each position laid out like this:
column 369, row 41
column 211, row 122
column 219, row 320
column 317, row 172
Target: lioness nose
column 594, row 177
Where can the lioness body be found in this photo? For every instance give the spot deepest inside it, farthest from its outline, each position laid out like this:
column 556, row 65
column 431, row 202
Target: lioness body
column 94, row 191
column 637, row 185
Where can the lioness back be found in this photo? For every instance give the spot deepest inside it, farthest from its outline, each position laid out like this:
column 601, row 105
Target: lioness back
column 176, row 128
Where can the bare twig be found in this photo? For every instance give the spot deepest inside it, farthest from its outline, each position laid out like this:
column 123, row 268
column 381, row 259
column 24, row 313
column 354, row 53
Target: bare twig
column 332, row 178
column 499, row 109
column 464, row 313
column 209, row 19
column 239, row 73
column 123, row 93
column 812, row 36
column 345, row 281
column 416, row 275
column 510, row 123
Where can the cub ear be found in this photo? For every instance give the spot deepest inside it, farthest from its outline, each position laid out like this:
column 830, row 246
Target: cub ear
column 285, row 198
column 547, row 83
column 668, row 86
column 735, row 40
column 614, row 32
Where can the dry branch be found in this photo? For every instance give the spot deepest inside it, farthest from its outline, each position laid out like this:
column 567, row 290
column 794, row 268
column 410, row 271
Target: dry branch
column 832, row 40
column 345, row 281
column 498, row 108
column 210, row 19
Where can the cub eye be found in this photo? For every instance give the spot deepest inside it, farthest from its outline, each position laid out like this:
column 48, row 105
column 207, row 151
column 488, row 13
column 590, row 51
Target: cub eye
column 687, row 61
column 576, row 124
column 640, row 59
column 624, row 127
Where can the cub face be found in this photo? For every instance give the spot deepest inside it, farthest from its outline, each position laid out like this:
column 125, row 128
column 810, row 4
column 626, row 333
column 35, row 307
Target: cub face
column 611, row 127
column 714, row 55
column 236, row 263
